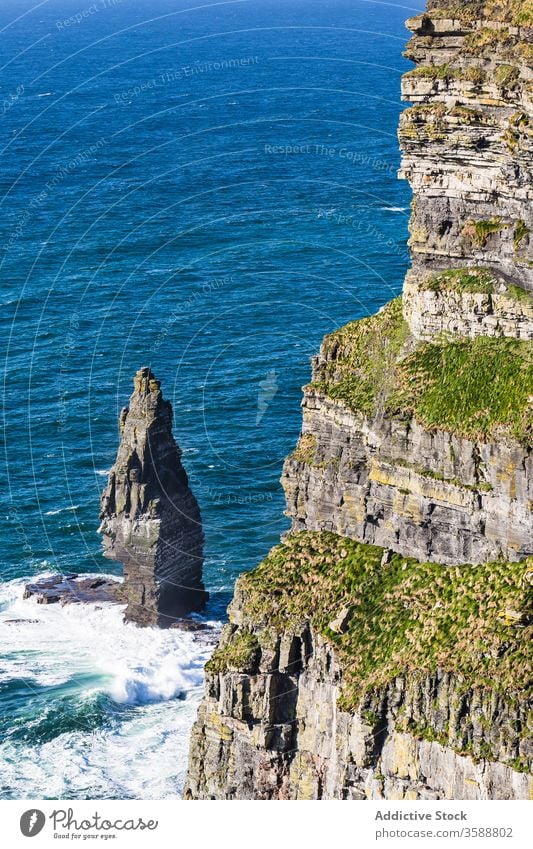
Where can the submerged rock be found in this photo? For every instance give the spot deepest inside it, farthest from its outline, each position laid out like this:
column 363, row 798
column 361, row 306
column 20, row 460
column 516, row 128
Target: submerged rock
column 150, row 518
column 71, row 589
column 191, row 625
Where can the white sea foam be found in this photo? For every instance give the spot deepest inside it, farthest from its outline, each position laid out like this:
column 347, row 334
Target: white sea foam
column 138, row 664
column 156, row 675
column 394, row 208
column 62, row 510
column 145, row 757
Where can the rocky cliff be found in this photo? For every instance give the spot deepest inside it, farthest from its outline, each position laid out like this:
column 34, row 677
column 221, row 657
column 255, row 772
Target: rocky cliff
column 424, row 447
column 350, row 672
column 150, row 518
column 383, row 649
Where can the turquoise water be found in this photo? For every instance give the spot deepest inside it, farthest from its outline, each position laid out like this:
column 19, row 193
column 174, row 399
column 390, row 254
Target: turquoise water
column 207, row 191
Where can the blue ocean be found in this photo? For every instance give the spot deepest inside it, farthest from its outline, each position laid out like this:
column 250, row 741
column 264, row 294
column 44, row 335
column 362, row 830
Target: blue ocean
column 204, row 188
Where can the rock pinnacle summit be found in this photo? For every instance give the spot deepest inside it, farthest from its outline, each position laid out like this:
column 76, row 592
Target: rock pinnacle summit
column 150, row 519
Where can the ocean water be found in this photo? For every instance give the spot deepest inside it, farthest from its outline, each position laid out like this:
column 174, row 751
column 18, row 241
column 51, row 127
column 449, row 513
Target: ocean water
column 208, row 189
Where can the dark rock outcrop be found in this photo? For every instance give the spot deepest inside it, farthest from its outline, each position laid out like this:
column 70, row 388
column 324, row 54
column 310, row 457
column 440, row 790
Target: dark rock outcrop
column 71, row 589
column 150, row 518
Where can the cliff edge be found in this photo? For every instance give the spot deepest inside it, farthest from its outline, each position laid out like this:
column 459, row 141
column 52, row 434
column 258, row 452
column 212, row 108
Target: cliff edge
column 382, row 650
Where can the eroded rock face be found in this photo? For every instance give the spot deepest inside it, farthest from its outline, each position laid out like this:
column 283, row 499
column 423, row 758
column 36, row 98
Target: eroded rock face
column 467, row 140
column 278, row 733
column 427, row 494
column 271, row 724
column 150, row 518
column 467, row 149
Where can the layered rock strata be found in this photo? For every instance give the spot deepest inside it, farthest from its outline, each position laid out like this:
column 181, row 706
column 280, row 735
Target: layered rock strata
column 379, row 473
column 350, row 672
column 375, row 471
column 467, row 139
column 150, row 519
column 384, row 649
column 433, row 307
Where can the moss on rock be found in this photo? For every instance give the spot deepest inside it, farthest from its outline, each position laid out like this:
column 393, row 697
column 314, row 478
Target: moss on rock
column 472, row 280
column 238, row 655
column 476, row 388
column 305, row 450
column 521, row 232
column 405, row 615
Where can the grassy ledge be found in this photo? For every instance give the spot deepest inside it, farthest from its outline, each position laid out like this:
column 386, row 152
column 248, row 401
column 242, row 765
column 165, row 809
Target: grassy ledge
column 361, row 359
column 477, row 281
column 476, row 388
column 515, row 12
column 473, row 75
column 403, row 616
column 240, row 655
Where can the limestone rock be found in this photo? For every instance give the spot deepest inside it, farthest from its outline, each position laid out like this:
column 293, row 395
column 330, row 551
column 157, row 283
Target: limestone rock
column 467, row 150
column 339, row 624
column 72, row 589
column 274, row 728
column 281, row 735
column 150, row 519
column 432, row 313
column 428, row 494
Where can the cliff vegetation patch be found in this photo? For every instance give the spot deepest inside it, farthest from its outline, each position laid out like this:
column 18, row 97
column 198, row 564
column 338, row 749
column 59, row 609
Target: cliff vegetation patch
column 473, row 387
column 360, row 360
column 400, row 615
column 477, row 281
column 477, row 388
column 517, row 12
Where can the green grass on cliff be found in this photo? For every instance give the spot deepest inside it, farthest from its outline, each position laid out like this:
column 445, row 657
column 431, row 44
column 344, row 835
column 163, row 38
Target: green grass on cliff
column 362, row 357
column 476, row 388
column 516, row 12
column 468, row 280
column 447, row 73
column 402, row 616
column 240, row 655
column 473, row 281
column 472, row 387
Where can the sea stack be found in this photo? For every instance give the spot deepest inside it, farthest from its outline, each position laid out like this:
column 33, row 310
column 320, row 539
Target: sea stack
column 150, row 519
